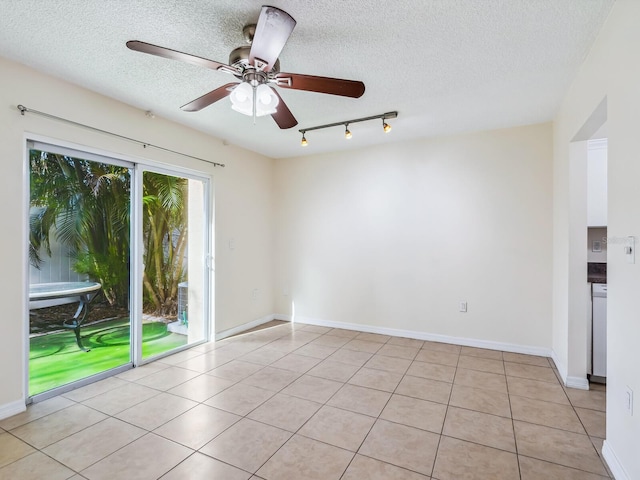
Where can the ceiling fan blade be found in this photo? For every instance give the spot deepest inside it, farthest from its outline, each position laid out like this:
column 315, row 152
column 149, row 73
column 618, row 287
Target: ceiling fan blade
column 283, row 116
column 272, row 32
column 144, row 47
column 333, row 86
column 209, row 98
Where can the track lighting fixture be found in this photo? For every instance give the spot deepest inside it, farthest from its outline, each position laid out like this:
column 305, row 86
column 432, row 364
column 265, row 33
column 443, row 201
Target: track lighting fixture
column 347, row 133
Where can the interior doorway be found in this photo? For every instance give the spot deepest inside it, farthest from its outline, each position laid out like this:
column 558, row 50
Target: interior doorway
column 580, row 307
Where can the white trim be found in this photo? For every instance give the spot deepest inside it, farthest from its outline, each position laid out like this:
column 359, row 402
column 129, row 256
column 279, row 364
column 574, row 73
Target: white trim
column 61, row 143
column 618, row 471
column 33, row 144
column 246, row 326
column 26, row 344
column 561, row 367
column 597, row 143
column 572, row 382
column 467, row 342
column 580, row 383
column 136, row 250
column 13, row 408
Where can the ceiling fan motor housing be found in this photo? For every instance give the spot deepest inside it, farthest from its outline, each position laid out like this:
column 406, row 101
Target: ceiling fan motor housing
column 239, row 58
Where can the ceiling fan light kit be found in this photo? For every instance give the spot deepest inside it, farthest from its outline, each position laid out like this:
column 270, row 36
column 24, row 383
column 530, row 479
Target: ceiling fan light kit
column 257, row 101
column 257, row 68
column 386, row 128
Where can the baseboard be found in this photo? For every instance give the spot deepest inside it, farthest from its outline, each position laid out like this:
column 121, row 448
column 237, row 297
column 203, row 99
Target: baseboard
column 247, row 326
column 467, row 342
column 580, row 383
column 560, row 366
column 618, row 471
column 577, row 382
column 10, row 409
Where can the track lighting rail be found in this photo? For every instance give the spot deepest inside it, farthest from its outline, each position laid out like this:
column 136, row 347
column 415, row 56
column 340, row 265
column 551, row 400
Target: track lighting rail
column 384, row 116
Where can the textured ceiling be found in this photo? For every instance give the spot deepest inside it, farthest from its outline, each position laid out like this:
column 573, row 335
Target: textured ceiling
column 447, row 66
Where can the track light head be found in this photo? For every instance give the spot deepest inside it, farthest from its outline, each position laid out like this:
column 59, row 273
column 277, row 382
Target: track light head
column 347, row 132
column 304, row 142
column 385, row 126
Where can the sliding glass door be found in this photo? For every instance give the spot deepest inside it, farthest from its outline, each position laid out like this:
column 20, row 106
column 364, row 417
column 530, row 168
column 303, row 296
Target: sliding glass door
column 117, row 262
column 79, row 251
column 174, row 280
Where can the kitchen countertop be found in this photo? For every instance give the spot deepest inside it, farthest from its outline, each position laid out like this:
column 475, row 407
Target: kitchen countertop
column 597, row 279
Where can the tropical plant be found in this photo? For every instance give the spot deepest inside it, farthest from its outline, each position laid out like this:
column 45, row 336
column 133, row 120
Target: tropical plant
column 165, row 241
column 85, row 204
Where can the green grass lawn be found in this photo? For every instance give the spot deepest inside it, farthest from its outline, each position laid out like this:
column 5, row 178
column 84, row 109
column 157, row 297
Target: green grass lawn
column 55, row 359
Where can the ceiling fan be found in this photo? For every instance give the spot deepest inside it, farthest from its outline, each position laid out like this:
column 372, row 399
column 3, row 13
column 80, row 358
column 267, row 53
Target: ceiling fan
column 257, row 66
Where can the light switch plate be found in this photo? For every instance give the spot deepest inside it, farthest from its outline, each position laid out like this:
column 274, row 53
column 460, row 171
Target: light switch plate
column 628, row 400
column 630, row 249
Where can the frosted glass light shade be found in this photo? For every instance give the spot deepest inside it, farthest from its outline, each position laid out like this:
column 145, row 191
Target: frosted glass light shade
column 242, row 99
column 266, row 100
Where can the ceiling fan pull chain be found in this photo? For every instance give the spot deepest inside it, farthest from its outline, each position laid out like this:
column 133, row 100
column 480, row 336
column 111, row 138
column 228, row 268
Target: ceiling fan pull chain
column 254, row 103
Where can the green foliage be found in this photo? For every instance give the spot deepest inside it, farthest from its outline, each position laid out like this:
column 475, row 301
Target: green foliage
column 165, row 241
column 87, row 205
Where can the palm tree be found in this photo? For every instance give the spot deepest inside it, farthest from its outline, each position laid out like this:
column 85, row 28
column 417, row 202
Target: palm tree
column 86, row 205
column 165, row 241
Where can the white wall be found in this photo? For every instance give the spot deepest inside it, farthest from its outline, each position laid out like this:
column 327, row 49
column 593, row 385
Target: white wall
column 396, row 236
column 597, row 183
column 243, row 201
column 612, row 70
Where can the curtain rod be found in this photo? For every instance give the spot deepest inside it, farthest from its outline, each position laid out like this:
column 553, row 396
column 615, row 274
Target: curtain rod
column 24, row 110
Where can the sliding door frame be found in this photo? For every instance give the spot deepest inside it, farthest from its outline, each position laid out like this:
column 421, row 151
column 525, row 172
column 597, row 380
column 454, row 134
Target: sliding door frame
column 137, row 167
column 138, row 269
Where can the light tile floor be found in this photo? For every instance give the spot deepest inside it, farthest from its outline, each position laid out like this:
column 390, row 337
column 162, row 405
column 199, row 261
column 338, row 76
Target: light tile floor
column 305, row 402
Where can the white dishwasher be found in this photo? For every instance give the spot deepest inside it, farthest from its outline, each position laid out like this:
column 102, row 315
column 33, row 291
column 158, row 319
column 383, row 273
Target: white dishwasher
column 599, row 338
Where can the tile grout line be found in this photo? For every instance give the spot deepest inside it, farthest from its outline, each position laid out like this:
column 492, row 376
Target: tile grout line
column 513, row 423
column 444, row 420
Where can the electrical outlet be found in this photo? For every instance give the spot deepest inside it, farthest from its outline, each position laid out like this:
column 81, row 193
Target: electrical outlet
column 254, row 294
column 628, row 400
column 463, row 307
